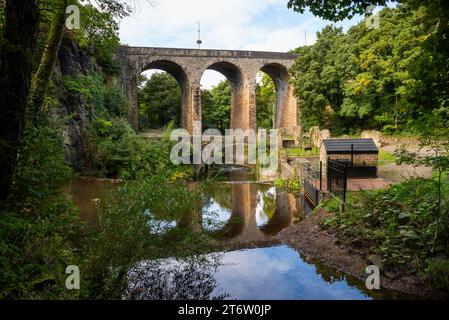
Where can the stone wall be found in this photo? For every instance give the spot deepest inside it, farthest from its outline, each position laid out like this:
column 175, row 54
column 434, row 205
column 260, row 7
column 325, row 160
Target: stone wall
column 317, row 136
column 359, row 160
column 239, row 67
column 375, row 135
column 73, row 61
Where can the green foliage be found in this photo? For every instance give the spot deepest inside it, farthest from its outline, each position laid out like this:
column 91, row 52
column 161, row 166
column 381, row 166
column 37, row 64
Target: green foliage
column 320, row 72
column 399, row 222
column 117, row 9
column 102, row 100
column 38, row 225
column 438, row 160
column 89, row 88
column 116, row 151
column 335, row 10
column 99, row 31
column 115, row 102
column 159, row 101
column 42, row 169
column 131, row 228
column 265, row 102
column 216, row 107
column 301, row 152
column 369, row 79
column 291, row 184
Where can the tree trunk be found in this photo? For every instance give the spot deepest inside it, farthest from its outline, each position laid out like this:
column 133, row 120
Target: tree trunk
column 21, row 23
column 41, row 79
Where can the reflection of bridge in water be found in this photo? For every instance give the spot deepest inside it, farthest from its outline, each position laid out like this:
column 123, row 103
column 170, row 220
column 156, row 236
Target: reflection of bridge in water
column 242, row 212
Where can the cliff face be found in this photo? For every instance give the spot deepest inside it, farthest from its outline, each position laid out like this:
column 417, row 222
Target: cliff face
column 73, row 111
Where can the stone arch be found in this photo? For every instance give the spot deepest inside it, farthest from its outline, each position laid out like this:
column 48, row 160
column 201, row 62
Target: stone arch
column 285, row 116
column 177, row 72
column 188, row 65
column 236, row 77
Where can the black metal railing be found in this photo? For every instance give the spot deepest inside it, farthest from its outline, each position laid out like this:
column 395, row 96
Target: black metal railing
column 337, row 177
column 312, row 174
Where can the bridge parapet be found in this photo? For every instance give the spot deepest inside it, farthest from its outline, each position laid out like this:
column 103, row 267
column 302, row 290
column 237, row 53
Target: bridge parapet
column 207, row 53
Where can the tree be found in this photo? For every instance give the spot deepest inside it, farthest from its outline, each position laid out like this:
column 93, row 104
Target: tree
column 42, row 76
column 368, row 79
column 428, row 70
column 159, row 101
column 334, row 10
column 19, row 29
column 383, row 93
column 99, row 33
column 320, row 73
column 216, row 107
column 265, row 101
column 18, row 43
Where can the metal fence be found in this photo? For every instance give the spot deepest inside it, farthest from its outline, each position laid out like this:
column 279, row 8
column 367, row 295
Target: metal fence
column 312, row 181
column 337, row 178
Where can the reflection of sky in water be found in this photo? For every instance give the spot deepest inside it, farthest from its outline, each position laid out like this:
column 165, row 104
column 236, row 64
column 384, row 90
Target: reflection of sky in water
column 261, row 216
column 214, row 215
column 277, row 273
column 158, row 226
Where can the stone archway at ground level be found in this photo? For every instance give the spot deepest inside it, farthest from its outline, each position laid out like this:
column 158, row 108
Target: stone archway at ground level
column 240, row 68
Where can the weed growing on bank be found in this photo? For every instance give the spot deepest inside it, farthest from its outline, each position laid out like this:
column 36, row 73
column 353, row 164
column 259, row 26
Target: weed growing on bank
column 399, row 224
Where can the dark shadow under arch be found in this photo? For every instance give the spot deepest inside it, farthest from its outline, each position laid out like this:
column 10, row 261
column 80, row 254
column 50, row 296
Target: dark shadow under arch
column 229, row 70
column 170, row 67
column 278, row 73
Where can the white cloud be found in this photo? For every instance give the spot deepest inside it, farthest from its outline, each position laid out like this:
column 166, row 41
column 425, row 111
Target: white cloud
column 211, row 78
column 173, row 21
column 264, row 25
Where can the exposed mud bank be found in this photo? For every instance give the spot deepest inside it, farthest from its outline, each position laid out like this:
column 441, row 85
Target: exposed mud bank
column 312, row 241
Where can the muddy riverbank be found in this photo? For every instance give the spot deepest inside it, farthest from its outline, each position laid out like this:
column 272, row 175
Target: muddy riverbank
column 350, row 257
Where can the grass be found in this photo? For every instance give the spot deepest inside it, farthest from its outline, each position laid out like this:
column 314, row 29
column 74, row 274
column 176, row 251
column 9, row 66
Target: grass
column 300, row 152
column 386, row 157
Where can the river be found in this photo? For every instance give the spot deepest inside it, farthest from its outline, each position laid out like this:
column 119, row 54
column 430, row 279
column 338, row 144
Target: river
column 245, row 216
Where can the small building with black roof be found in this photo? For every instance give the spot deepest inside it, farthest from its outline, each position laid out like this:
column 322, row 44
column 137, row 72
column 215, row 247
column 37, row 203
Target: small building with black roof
column 360, row 155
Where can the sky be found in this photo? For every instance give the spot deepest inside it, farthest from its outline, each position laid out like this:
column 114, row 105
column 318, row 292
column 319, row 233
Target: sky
column 264, row 25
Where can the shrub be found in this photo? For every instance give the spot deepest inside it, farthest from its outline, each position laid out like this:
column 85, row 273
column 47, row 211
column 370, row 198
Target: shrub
column 123, row 235
column 115, row 101
column 38, row 226
column 117, row 152
column 90, row 88
column 102, row 100
column 291, row 184
column 437, row 272
column 399, row 222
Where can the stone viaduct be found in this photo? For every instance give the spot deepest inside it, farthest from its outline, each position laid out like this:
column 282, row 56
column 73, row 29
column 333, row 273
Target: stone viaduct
column 239, row 67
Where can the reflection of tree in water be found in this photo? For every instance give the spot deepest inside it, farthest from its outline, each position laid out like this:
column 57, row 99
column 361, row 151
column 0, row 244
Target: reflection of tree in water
column 268, row 197
column 174, row 280
column 221, row 193
column 332, row 275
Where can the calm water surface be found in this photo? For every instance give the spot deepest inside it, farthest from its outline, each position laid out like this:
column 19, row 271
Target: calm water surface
column 245, row 216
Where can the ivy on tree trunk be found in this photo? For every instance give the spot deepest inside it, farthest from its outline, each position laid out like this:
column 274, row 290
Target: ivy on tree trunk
column 41, row 78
